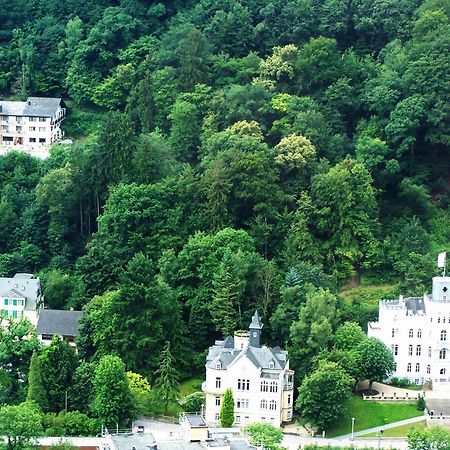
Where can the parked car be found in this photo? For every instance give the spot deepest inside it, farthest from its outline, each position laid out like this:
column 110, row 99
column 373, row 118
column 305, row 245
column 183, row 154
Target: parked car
column 140, row 428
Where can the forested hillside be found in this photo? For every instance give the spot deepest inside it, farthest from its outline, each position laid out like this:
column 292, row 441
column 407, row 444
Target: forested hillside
column 230, row 155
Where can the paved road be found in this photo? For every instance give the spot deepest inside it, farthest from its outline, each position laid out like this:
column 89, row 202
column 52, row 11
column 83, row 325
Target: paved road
column 384, row 427
column 294, row 442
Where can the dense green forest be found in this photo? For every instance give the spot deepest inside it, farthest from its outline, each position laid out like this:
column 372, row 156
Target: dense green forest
column 229, row 155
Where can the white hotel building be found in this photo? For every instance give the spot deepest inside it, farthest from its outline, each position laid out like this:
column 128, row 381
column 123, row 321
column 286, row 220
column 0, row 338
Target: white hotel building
column 31, row 126
column 259, row 377
column 417, row 330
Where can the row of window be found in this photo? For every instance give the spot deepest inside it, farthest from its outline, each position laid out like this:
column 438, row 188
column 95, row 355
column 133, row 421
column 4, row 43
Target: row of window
column 9, row 139
column 14, row 313
column 243, row 403
column 243, row 384
column 442, row 353
column 247, row 418
column 19, row 128
column 266, row 387
column 5, row 119
column 409, row 369
column 443, row 334
column 13, row 302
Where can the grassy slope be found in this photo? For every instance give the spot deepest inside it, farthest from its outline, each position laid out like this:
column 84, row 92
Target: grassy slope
column 186, row 387
column 400, row 431
column 370, row 414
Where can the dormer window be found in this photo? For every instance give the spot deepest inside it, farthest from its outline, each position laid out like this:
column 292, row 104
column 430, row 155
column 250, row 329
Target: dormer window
column 218, row 365
column 271, row 365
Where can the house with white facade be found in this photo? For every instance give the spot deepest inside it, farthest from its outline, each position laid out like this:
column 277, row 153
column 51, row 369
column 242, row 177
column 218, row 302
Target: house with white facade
column 259, row 377
column 31, row 126
column 21, row 296
column 417, row 330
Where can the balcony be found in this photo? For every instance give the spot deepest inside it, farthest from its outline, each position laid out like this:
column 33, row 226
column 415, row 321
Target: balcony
column 288, row 386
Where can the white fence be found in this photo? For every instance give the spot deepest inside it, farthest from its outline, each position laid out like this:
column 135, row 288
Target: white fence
column 394, row 397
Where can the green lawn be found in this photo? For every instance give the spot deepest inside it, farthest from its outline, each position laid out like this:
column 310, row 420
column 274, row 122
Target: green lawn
column 189, row 386
column 370, row 414
column 186, row 387
column 400, row 431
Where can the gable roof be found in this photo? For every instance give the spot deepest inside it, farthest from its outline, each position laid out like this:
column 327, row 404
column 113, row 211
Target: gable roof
column 33, row 107
column 53, row 321
column 41, row 106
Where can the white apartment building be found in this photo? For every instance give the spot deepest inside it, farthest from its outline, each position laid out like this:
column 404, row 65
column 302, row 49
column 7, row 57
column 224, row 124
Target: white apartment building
column 31, row 126
column 259, row 377
column 417, row 330
column 21, row 296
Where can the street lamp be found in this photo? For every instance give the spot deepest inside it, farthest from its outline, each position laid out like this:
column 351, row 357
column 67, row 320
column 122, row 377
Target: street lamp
column 353, row 428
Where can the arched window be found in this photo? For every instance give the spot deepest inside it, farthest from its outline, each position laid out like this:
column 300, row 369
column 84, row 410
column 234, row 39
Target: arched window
column 417, row 367
column 428, row 369
column 443, row 354
column 419, row 333
column 410, row 350
column 442, row 372
column 273, row 405
column 429, row 352
column 443, row 335
column 418, row 350
column 264, row 386
column 411, row 332
column 273, row 386
column 408, row 367
column 263, row 403
column 393, row 332
column 218, row 365
column 271, row 364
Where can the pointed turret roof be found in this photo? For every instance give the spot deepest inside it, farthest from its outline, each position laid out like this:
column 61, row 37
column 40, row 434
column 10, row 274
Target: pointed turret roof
column 256, row 322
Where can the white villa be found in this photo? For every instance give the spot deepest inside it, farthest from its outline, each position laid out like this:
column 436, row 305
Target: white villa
column 31, row 126
column 21, row 296
column 417, row 329
column 259, row 377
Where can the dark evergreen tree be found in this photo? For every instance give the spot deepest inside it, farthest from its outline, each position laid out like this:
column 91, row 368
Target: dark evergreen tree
column 166, row 382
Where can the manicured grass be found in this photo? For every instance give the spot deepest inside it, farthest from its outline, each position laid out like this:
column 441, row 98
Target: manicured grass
column 400, row 431
column 186, row 387
column 370, row 414
column 189, row 386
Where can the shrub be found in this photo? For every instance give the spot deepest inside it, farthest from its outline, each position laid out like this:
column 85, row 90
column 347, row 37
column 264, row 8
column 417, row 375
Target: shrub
column 193, row 402
column 420, row 405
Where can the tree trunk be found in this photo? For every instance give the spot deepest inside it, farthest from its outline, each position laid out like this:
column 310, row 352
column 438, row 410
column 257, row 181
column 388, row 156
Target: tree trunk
column 81, row 219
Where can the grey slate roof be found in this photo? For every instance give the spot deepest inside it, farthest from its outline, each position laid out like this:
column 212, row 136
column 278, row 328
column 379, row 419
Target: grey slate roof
column 9, row 108
column 259, row 356
column 64, row 323
column 41, row 106
column 23, row 285
column 33, row 107
column 415, row 305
